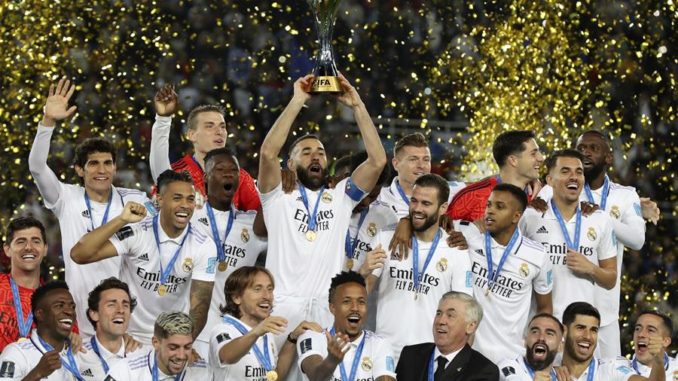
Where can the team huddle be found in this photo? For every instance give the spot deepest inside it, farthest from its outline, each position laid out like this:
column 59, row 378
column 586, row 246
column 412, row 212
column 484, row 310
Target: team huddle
column 417, row 279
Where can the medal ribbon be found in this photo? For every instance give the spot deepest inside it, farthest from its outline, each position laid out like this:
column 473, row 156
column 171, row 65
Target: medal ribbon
column 154, row 370
column 415, row 258
column 554, row 377
column 634, row 363
column 95, row 348
column 356, row 359
column 170, row 265
column 592, row 370
column 603, row 197
column 402, row 194
column 574, row 245
column 304, row 198
column 221, row 256
column 491, row 274
column 349, row 246
column 69, row 363
column 264, row 358
column 24, row 326
column 108, row 208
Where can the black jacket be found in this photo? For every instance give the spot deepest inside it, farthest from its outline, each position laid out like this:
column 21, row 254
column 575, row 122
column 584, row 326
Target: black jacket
column 468, row 365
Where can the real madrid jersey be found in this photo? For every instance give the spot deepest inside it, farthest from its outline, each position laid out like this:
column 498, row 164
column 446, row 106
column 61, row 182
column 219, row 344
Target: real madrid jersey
column 514, row 369
column 18, row 359
column 303, row 263
column 391, row 196
column 248, row 368
column 241, row 248
column 670, row 367
column 141, row 263
column 448, row 270
column 140, row 368
column 91, row 364
column 506, row 301
column 596, row 244
column 378, row 217
column 376, row 359
column 606, row 370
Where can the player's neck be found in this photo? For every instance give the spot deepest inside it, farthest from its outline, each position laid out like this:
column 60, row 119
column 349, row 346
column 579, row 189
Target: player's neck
column 503, row 237
column 98, row 196
column 511, row 177
column 427, row 235
column 26, row 279
column 112, row 343
column 200, row 158
column 566, row 208
column 55, row 342
column 406, row 186
column 166, row 225
column 575, row 367
column 597, row 182
column 223, row 205
column 250, row 320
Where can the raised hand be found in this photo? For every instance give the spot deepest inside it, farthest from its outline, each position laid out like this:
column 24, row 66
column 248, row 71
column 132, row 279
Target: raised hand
column 655, row 348
column 303, row 327
column 337, row 346
column 534, row 187
column 375, row 259
column 165, row 101
column 588, row 208
column 273, row 324
column 302, row 88
column 542, row 375
column 49, row 362
column 578, row 263
column 349, row 95
column 56, row 106
column 539, row 204
column 562, row 373
column 649, row 210
column 402, row 239
column 133, row 212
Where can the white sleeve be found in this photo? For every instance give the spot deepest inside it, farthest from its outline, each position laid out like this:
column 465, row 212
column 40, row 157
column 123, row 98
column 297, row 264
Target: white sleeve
column 202, row 270
column 630, row 228
column 271, row 196
column 462, row 277
column 125, row 239
column 13, row 364
column 606, row 247
column 543, row 282
column 383, row 360
column 379, row 238
column 529, row 216
column 510, row 371
column 219, row 336
column 311, row 343
column 48, row 183
column 159, row 156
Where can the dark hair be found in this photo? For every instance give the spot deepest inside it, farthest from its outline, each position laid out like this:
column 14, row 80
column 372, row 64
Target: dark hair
column 94, row 296
column 218, row 152
column 169, row 176
column 416, row 139
column 548, row 316
column 42, row 291
column 190, row 120
column 553, row 159
column 597, row 133
column 343, row 278
column 342, row 163
column 235, row 285
column 510, row 143
column 579, row 308
column 299, row 140
column 666, row 320
column 90, row 146
column 22, row 223
column 516, row 192
column 435, row 181
column 351, row 162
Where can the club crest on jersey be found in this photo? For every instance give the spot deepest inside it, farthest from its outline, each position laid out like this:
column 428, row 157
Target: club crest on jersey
column 524, row 270
column 203, row 220
column 187, row 266
column 372, row 229
column 441, row 265
column 675, row 375
column 366, row 364
column 614, row 212
column 326, row 197
column 591, row 234
column 245, row 235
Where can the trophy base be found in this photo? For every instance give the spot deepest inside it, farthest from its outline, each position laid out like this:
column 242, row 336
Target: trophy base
column 326, row 85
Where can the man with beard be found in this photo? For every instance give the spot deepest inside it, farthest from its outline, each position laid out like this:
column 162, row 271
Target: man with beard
column 307, row 227
column 230, row 229
column 346, row 351
column 165, row 260
column 581, row 321
column 409, row 288
column 542, row 342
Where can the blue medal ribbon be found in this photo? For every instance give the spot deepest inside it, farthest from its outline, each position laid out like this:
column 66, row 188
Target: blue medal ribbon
column 311, row 216
column 401, row 192
column 221, row 256
column 170, row 265
column 415, row 258
column 155, row 372
column 264, row 357
column 574, row 245
column 591, row 370
column 95, row 348
column 603, row 197
column 634, row 363
column 554, row 377
column 356, row 359
column 24, row 325
column 69, row 362
column 350, row 245
column 108, row 208
column 491, row 274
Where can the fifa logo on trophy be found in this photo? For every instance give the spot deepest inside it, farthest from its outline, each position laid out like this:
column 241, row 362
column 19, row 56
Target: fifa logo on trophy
column 325, row 70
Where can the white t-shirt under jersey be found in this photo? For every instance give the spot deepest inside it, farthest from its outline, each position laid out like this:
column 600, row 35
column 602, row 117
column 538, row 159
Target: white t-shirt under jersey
column 141, row 271
column 391, row 197
column 140, row 368
column 449, row 270
column 506, row 308
column 596, row 243
column 378, row 218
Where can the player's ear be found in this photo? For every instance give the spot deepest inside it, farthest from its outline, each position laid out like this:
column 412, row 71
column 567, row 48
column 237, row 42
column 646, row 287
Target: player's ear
column 79, row 171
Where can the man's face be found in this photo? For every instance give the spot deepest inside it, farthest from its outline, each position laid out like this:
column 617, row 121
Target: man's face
column 648, row 325
column 173, row 352
column 27, row 249
column 542, row 342
column 502, row 212
column 209, row 132
column 567, row 178
column 223, row 177
column 309, row 162
column 529, row 161
column 349, row 307
column 424, row 208
column 98, row 172
column 450, row 328
column 256, row 301
column 57, row 313
column 596, row 153
column 412, row 162
column 113, row 313
column 177, row 202
column 581, row 337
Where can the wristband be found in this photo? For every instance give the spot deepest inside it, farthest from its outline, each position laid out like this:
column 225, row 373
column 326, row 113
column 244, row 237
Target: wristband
column 290, row 339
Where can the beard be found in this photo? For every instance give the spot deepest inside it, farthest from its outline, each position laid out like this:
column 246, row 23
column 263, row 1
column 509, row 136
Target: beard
column 594, row 171
column 309, row 182
column 430, row 221
column 540, row 364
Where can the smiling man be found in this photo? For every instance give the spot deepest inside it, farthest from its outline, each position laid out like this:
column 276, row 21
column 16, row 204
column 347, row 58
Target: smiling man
column 346, row 351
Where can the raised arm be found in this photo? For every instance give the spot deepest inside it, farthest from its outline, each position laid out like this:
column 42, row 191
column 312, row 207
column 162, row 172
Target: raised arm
column 165, row 103
column 288, row 351
column 201, row 295
column 234, row 351
column 269, row 167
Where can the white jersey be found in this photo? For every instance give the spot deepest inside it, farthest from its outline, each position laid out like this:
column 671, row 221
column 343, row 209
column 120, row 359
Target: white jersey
column 91, row 365
column 515, row 370
column 391, row 196
column 248, row 368
column 19, row 359
column 607, row 370
column 376, row 358
column 140, row 368
column 506, row 308
column 378, row 218
column 670, row 367
column 242, row 247
column 596, row 243
column 449, row 270
column 141, row 271
column 623, row 206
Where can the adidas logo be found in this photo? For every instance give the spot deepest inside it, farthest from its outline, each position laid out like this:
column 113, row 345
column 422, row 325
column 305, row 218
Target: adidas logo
column 300, row 199
column 87, row 372
column 542, row 230
column 143, row 257
column 85, row 213
column 480, row 251
column 204, row 221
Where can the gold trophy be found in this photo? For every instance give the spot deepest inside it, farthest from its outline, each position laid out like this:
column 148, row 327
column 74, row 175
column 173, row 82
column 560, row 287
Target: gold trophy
column 325, row 70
